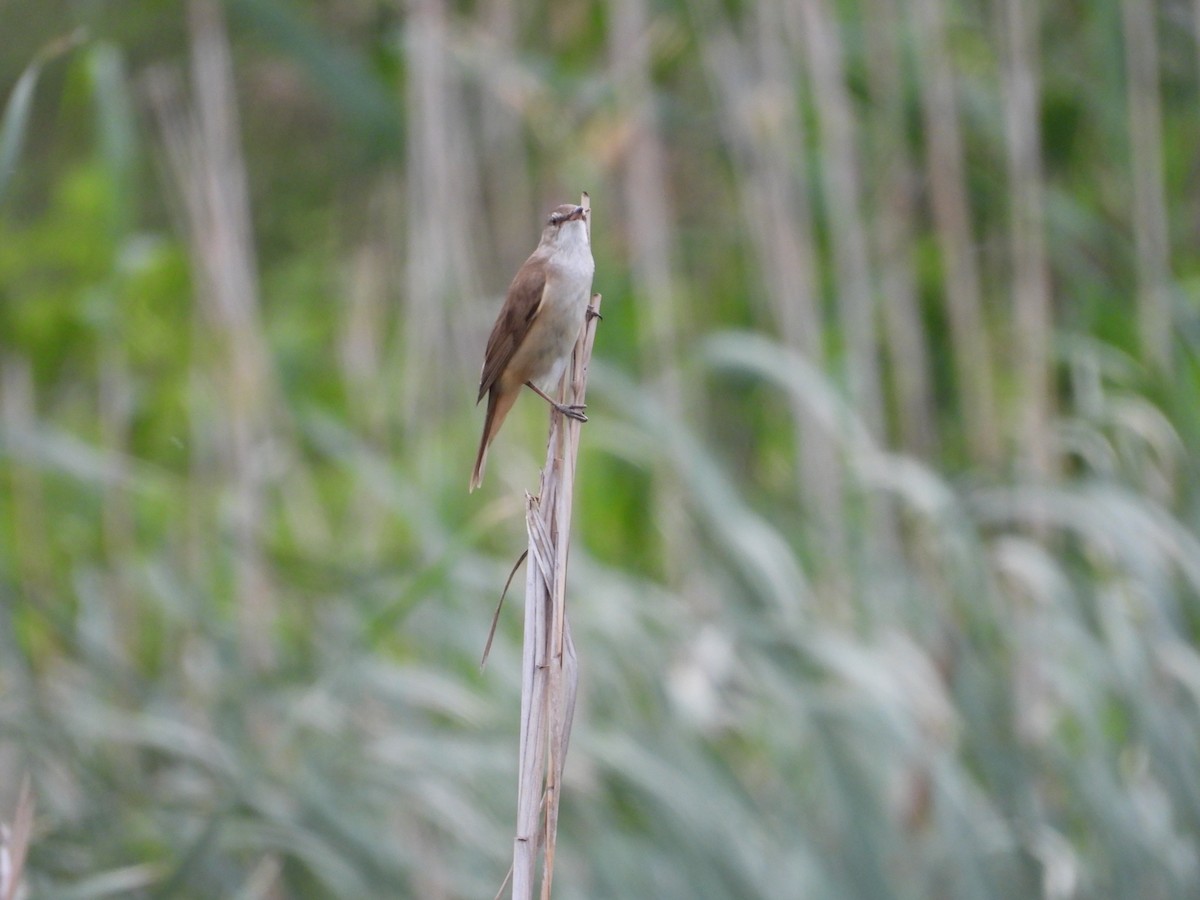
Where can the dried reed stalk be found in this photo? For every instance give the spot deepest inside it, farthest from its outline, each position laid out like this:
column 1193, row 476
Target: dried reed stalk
column 506, row 109
column 1150, row 230
column 755, row 83
column 14, row 844
column 442, row 188
column 815, row 28
column 1019, row 22
column 646, row 176
column 201, row 140
column 841, row 185
column 945, row 163
column 549, row 671
column 892, row 182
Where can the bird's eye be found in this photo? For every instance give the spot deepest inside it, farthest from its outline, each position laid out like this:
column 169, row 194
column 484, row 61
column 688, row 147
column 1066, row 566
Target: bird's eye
column 555, row 218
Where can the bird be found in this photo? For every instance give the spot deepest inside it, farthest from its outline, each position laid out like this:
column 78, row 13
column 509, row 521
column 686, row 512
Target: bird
column 542, row 315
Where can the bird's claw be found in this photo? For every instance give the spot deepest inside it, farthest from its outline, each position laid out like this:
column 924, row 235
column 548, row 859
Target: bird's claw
column 574, row 411
column 593, row 313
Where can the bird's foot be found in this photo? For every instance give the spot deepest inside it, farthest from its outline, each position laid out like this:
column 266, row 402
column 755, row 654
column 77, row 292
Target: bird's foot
column 574, row 411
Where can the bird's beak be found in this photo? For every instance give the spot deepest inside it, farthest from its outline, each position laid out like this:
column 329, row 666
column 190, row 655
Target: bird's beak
column 580, row 213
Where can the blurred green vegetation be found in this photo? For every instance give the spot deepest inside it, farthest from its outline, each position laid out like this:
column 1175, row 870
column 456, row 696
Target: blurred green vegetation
column 862, row 612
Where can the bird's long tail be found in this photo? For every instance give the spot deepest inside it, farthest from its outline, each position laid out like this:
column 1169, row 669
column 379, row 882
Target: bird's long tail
column 497, row 408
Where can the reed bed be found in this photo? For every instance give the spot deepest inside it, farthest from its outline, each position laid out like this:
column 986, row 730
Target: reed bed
column 884, row 574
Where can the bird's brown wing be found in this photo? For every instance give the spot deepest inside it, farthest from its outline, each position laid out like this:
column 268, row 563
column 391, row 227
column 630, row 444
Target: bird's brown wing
column 512, row 325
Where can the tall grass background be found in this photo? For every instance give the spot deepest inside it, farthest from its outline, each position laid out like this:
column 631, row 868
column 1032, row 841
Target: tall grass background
column 886, row 567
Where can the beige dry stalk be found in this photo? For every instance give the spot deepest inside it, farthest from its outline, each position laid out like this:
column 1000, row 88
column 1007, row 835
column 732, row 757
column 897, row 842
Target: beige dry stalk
column 14, row 844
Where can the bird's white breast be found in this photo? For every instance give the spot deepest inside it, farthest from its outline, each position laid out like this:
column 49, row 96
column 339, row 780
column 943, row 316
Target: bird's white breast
column 564, row 304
